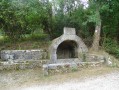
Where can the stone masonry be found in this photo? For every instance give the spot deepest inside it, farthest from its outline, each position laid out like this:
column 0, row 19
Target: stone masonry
column 23, row 54
column 69, row 37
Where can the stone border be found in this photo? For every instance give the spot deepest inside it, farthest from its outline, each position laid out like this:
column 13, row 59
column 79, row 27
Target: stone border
column 19, row 65
column 51, row 69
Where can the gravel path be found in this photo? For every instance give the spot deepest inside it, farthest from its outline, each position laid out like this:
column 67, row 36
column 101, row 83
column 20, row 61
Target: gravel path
column 104, row 82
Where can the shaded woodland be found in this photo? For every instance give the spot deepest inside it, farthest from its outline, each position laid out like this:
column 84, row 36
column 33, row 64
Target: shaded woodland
column 96, row 21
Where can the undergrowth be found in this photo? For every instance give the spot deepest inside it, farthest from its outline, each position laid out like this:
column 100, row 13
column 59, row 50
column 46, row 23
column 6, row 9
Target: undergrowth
column 33, row 41
column 111, row 46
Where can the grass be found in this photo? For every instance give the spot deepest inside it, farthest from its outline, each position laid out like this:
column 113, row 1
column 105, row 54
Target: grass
column 25, row 45
column 30, row 42
column 1, row 37
column 31, row 45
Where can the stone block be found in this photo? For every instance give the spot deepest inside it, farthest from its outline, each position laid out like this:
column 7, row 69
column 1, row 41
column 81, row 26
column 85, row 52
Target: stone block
column 69, row 31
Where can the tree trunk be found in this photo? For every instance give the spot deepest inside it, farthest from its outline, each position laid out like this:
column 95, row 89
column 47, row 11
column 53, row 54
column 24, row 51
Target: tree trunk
column 96, row 37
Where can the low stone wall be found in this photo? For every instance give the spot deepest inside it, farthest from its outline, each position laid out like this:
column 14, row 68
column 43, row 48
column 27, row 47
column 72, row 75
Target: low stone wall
column 19, row 65
column 24, row 54
column 51, row 69
column 94, row 57
column 74, row 64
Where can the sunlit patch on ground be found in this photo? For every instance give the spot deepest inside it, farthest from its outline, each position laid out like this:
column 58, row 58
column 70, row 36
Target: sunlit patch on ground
column 33, row 79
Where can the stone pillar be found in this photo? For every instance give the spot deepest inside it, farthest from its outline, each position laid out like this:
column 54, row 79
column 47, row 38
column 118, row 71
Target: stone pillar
column 53, row 56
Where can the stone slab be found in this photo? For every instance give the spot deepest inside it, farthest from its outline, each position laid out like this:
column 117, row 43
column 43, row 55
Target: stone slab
column 69, row 31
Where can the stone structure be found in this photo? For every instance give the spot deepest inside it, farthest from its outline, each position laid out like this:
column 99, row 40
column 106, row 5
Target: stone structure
column 23, row 54
column 68, row 45
column 67, row 53
column 52, row 69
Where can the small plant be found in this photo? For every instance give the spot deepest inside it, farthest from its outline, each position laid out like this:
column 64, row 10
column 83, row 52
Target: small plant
column 84, row 57
column 114, row 65
column 19, row 47
column 74, row 69
column 86, row 65
column 111, row 46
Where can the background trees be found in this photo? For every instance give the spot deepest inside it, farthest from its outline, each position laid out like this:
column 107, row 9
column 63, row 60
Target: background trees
column 97, row 24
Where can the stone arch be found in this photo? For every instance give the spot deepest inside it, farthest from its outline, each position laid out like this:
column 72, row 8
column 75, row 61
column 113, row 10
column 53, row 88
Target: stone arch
column 69, row 35
column 67, row 49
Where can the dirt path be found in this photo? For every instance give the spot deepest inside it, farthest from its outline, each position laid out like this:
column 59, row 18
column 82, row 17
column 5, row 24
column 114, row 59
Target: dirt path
column 104, row 82
column 102, row 78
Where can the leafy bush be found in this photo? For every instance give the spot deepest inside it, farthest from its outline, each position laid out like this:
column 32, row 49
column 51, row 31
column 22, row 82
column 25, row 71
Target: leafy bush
column 40, row 37
column 19, row 17
column 111, row 46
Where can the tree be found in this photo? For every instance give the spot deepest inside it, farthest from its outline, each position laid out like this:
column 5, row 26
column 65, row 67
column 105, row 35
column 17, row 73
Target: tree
column 19, row 17
column 96, row 7
column 97, row 20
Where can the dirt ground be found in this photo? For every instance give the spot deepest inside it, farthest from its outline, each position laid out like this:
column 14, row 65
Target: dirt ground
column 104, row 78
column 104, row 82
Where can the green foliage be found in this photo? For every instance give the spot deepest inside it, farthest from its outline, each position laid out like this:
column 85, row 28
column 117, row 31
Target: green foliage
column 84, row 57
column 20, row 17
column 11, row 18
column 45, row 20
column 111, row 46
column 40, row 37
column 74, row 69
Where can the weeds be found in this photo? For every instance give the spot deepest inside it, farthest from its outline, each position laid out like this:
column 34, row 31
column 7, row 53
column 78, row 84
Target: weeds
column 111, row 46
column 34, row 41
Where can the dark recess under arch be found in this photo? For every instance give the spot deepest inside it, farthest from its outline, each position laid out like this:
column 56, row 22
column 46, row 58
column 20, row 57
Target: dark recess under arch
column 67, row 49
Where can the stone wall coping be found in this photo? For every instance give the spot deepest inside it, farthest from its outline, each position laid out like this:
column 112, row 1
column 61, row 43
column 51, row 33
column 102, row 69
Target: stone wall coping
column 49, row 66
column 35, row 54
column 23, row 50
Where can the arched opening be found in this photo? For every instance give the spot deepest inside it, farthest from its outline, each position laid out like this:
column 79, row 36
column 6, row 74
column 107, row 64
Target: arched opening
column 67, row 49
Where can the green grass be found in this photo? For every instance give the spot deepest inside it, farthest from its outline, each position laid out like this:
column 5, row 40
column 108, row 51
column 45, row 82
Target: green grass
column 1, row 37
column 25, row 45
column 29, row 42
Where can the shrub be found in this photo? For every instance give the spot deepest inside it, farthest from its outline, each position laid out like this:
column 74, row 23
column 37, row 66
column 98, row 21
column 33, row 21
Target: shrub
column 111, row 46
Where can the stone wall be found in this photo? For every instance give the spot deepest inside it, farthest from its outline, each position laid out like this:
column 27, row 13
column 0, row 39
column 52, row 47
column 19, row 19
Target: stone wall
column 51, row 69
column 24, row 54
column 22, row 64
